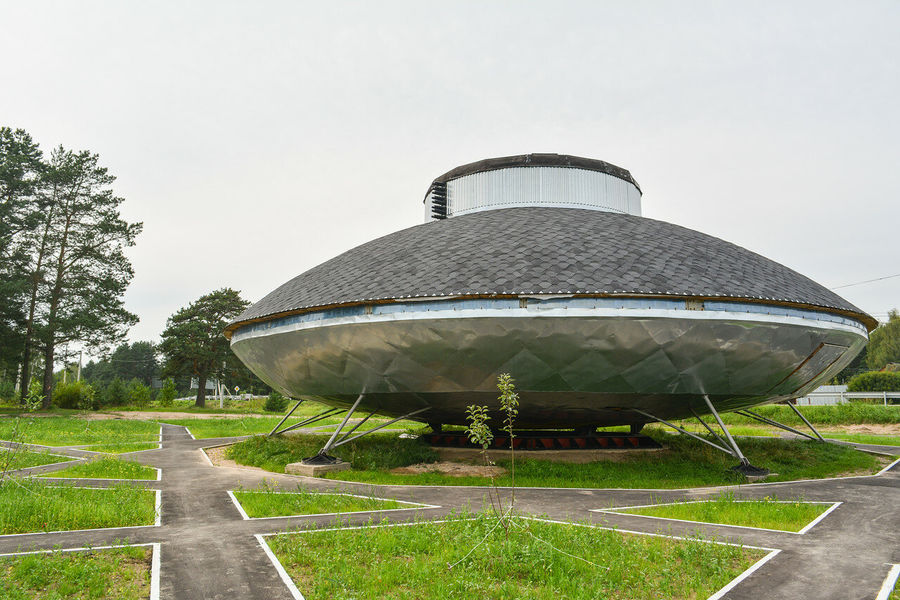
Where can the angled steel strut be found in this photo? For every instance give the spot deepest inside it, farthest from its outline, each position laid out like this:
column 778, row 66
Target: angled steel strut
column 749, row 413
column 339, row 437
column 726, row 444
column 322, row 415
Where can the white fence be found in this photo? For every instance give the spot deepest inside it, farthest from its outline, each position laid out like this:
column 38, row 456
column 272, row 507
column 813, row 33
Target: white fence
column 822, row 397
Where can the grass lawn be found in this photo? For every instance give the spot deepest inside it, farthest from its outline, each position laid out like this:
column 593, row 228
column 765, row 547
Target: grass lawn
column 231, row 427
column 30, row 506
column 271, row 503
column 22, row 459
column 864, row 438
column 121, row 448
column 686, row 463
column 768, row 513
column 73, row 431
column 109, row 574
column 106, row 468
column 694, row 427
column 537, row 560
column 852, row 413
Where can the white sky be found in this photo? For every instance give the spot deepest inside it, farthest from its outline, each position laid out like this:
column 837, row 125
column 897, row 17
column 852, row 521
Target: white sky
column 257, row 139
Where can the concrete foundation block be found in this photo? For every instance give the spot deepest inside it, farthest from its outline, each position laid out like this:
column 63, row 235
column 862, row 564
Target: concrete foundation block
column 299, row 468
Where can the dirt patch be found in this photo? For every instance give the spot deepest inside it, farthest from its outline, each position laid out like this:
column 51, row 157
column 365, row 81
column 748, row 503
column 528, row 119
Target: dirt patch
column 453, row 469
column 872, row 429
column 217, row 457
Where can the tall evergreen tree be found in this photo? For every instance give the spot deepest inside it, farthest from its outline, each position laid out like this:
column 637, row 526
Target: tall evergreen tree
column 86, row 271
column 193, row 342
column 20, row 209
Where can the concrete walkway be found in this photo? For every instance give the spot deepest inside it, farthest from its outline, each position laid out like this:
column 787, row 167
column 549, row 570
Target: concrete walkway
column 208, row 551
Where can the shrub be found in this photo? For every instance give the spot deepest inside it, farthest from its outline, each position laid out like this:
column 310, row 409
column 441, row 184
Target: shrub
column 275, row 402
column 167, row 393
column 74, row 395
column 138, row 393
column 875, row 381
column 116, row 393
column 7, row 390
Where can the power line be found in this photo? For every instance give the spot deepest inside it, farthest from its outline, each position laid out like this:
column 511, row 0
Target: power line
column 866, row 281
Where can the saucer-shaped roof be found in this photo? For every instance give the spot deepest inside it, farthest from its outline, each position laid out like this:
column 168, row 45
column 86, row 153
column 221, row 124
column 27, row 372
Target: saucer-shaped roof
column 531, row 251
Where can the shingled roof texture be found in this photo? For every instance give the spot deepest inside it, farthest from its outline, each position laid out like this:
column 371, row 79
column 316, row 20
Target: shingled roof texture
column 544, row 251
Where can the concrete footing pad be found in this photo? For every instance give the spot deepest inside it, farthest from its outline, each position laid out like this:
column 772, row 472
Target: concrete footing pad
column 299, row 468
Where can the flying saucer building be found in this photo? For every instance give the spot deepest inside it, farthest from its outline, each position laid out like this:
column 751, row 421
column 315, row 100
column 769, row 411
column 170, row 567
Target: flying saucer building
column 542, row 266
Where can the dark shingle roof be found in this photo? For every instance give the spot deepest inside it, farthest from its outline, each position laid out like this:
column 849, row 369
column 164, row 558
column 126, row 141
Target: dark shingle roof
column 545, row 251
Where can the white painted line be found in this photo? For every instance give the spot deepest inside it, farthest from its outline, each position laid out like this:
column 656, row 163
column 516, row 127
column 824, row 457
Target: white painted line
column 154, row 572
column 734, row 582
column 158, row 473
column 618, row 510
column 237, row 504
column 889, row 582
column 413, row 505
column 281, row 572
column 888, row 468
column 189, row 432
column 206, row 456
column 819, row 518
column 157, row 506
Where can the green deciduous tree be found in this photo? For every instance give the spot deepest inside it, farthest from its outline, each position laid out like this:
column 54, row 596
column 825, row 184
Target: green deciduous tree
column 884, row 343
column 137, row 360
column 193, row 342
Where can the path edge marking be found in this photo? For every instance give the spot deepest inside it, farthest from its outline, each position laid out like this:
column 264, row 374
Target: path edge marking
column 278, row 567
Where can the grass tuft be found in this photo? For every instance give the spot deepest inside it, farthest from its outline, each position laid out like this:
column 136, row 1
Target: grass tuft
column 270, row 502
column 106, row 468
column 767, row 513
column 108, row 574
column 31, row 506
column 73, row 431
column 686, row 462
column 537, row 560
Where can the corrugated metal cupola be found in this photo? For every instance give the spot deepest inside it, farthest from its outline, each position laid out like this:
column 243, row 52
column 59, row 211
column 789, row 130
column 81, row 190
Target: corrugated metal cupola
column 557, row 180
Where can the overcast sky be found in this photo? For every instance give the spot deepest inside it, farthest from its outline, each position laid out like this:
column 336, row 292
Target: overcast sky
column 257, row 139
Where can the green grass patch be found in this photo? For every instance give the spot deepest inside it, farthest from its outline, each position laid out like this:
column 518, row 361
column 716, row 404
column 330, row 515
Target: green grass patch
column 273, row 503
column 686, row 462
column 864, row 438
column 30, row 506
column 106, row 468
column 109, row 574
column 22, row 459
column 693, row 427
column 767, row 513
column 852, row 413
column 233, row 427
column 121, row 448
column 73, row 431
column 537, row 560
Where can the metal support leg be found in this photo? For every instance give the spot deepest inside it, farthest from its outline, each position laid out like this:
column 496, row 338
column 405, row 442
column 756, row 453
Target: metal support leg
column 685, row 432
column 281, row 422
column 808, row 424
column 334, row 435
column 737, row 451
column 773, row 423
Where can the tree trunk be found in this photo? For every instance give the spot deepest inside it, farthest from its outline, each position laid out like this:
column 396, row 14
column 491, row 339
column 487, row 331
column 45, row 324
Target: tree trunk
column 48, row 374
column 201, row 391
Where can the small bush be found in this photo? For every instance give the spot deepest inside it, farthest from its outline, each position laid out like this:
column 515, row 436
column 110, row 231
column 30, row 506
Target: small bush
column 138, row 393
column 7, row 390
column 875, row 381
column 116, row 393
column 74, row 395
column 167, row 393
column 275, row 402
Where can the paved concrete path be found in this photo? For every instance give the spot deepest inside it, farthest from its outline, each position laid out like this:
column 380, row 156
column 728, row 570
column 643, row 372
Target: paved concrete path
column 208, row 551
